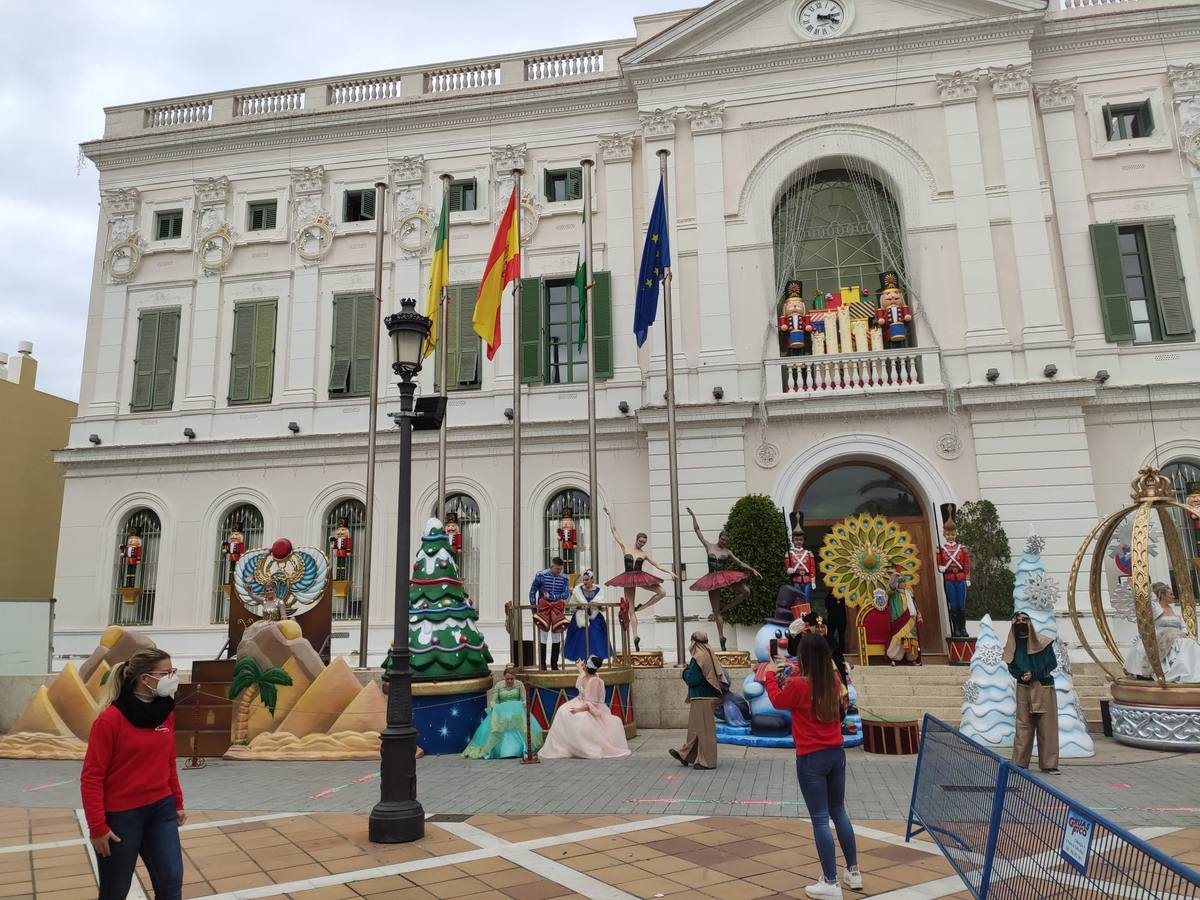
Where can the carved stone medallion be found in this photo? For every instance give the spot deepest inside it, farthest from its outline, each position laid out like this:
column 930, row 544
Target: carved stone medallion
column 216, row 249
column 314, row 239
column 766, row 455
column 124, row 258
column 948, row 446
column 415, row 231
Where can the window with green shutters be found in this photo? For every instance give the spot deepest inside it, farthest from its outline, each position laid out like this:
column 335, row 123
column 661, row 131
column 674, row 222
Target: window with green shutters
column 154, row 365
column 252, row 367
column 260, row 215
column 463, row 195
column 1125, row 121
column 359, row 205
column 463, row 347
column 549, row 351
column 351, row 361
column 564, row 184
column 1142, row 293
column 168, row 224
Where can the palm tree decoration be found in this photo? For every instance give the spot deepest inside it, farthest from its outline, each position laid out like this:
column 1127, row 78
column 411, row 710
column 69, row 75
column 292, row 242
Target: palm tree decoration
column 859, row 553
column 252, row 681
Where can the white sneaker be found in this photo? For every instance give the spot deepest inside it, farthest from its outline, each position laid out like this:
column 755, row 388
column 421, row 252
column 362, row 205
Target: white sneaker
column 852, row 879
column 824, row 890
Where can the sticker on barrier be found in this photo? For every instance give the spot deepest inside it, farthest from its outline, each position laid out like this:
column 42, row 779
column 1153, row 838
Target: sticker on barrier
column 1078, row 829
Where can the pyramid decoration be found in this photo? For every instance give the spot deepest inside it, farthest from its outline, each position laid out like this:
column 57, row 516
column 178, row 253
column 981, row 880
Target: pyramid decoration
column 618, row 708
column 442, row 634
column 538, row 710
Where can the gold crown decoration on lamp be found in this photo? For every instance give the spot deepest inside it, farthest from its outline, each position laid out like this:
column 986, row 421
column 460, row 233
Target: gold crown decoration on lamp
column 1151, row 492
column 858, row 556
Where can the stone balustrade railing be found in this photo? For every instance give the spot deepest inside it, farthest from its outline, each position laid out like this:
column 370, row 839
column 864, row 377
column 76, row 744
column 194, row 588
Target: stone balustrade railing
column 877, row 370
column 1083, row 4
column 558, row 66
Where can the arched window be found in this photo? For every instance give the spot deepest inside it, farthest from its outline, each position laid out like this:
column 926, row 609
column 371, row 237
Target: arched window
column 835, row 228
column 133, row 586
column 581, row 510
column 355, row 514
column 249, row 521
column 848, row 490
column 1182, row 473
column 467, row 511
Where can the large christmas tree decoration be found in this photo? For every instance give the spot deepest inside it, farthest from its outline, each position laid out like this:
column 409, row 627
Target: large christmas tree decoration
column 442, row 637
column 1037, row 595
column 989, row 697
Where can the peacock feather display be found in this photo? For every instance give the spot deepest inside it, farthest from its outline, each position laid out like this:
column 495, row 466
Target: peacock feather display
column 858, row 555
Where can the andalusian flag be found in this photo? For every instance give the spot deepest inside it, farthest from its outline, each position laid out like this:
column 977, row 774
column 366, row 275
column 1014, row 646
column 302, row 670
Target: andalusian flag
column 581, row 267
column 439, row 277
column 503, row 266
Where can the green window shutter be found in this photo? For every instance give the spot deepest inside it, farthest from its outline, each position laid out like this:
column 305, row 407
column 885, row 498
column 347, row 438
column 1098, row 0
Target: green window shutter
column 269, row 213
column 368, row 204
column 363, row 358
column 466, row 341
column 143, row 364
column 531, row 354
column 602, row 344
column 1114, row 303
column 343, row 345
column 1169, row 291
column 165, row 350
column 456, row 197
column 1145, row 120
column 548, row 185
column 242, row 353
column 263, row 374
column 574, row 184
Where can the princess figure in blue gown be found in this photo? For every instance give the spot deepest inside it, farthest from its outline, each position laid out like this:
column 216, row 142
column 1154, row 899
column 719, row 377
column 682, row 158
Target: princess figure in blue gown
column 587, row 630
column 501, row 734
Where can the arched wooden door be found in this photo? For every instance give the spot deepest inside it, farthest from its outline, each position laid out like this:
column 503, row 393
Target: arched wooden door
column 846, row 489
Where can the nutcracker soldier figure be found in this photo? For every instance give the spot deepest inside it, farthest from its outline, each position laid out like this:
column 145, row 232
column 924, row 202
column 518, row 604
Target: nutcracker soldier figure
column 794, row 328
column 131, row 552
column 954, row 562
column 801, row 564
column 342, row 547
column 454, row 533
column 1192, row 502
column 893, row 316
column 568, row 540
column 233, row 547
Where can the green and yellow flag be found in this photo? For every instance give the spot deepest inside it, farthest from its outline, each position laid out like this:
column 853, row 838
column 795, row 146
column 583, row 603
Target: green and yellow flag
column 439, row 277
column 581, row 282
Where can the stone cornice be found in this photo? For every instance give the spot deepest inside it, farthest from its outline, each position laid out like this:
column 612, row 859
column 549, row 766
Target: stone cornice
column 1078, row 391
column 334, row 125
column 1124, row 26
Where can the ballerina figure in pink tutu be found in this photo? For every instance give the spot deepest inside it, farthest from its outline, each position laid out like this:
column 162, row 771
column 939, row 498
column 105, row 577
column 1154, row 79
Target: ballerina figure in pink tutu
column 718, row 577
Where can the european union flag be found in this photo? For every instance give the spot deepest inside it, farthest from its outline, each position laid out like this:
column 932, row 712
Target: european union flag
column 656, row 257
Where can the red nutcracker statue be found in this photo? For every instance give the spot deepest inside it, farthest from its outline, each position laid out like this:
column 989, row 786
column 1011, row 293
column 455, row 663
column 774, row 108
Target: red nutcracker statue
column 234, row 545
column 342, row 547
column 893, row 315
column 1192, row 501
column 954, row 562
column 131, row 554
column 568, row 540
column 794, row 328
column 801, row 567
column 454, row 533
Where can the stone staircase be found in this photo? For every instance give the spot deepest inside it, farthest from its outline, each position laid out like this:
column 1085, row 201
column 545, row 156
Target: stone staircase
column 911, row 691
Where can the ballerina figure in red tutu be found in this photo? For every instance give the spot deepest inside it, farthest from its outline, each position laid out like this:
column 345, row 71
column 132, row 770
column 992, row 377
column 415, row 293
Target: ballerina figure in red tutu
column 633, row 578
column 719, row 577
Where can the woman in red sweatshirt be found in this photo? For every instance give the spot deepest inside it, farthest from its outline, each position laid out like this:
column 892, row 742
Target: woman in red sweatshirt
column 815, row 697
column 131, row 794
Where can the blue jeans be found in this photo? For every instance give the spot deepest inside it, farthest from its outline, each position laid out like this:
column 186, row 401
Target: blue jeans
column 822, row 777
column 152, row 833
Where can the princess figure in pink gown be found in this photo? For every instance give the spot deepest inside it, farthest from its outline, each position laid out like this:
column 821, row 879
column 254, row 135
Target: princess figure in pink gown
column 584, row 728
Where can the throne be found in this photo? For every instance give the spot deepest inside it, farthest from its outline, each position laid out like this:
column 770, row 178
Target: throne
column 874, row 632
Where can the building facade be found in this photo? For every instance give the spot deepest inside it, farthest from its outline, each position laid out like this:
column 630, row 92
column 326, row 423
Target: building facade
column 31, row 482
column 1031, row 175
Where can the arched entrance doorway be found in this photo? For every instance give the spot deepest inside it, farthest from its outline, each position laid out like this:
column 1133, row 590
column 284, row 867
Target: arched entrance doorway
column 849, row 488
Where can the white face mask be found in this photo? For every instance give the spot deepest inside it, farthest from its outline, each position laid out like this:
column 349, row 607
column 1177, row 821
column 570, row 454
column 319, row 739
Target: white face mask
column 167, row 686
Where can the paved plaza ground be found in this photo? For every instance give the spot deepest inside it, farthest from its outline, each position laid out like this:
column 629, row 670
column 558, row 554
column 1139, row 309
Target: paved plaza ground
column 637, row 827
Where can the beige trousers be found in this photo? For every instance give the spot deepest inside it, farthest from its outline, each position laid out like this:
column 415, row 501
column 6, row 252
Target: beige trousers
column 700, row 745
column 1037, row 712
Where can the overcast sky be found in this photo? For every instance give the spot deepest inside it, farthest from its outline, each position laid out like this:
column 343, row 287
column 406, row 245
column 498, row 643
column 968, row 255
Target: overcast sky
column 62, row 63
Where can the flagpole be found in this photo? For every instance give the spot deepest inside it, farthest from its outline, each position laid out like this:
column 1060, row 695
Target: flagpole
column 589, row 291
column 672, row 458
column 372, row 412
column 516, row 425
column 443, row 341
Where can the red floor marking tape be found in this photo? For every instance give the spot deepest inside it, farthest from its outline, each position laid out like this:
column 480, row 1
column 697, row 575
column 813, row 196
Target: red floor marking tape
column 1120, row 786
column 369, row 777
column 672, row 778
column 42, row 787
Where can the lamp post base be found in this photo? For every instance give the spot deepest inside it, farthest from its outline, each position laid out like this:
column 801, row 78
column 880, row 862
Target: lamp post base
column 396, row 822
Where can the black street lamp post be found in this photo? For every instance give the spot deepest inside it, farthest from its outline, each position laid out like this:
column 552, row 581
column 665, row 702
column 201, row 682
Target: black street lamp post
column 398, row 817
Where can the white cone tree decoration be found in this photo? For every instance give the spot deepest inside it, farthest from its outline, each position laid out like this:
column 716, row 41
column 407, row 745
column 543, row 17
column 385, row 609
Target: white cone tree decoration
column 1037, row 595
column 989, row 698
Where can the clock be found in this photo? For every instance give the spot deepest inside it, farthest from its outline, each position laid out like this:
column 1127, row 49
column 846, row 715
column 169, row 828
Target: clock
column 819, row 19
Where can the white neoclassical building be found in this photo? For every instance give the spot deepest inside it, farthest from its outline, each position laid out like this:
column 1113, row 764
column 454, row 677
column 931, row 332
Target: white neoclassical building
column 1031, row 174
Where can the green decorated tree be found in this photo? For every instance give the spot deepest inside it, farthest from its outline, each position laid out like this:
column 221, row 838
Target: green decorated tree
column 442, row 634
column 758, row 536
column 992, row 581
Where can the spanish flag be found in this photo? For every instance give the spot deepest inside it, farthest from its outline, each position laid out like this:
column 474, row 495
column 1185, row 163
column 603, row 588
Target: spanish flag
column 439, row 277
column 503, row 266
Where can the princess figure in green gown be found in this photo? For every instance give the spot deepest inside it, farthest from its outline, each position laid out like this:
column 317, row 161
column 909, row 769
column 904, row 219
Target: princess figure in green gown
column 501, row 734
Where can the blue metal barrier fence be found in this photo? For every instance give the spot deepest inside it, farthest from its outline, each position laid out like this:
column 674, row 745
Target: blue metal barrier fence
column 1011, row 836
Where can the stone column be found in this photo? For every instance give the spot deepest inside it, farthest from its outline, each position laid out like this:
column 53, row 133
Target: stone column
column 1056, row 100
column 716, row 343
column 616, row 153
column 986, row 336
column 1041, row 319
column 1185, row 87
column 122, row 256
column 302, row 331
column 199, row 347
column 412, row 219
column 658, row 133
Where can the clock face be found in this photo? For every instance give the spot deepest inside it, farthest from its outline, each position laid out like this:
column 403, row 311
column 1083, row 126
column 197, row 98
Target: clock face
column 822, row 18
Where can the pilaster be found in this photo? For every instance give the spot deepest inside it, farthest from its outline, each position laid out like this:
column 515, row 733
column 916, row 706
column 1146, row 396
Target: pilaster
column 615, row 152
column 986, row 338
column 303, row 328
column 1041, row 319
